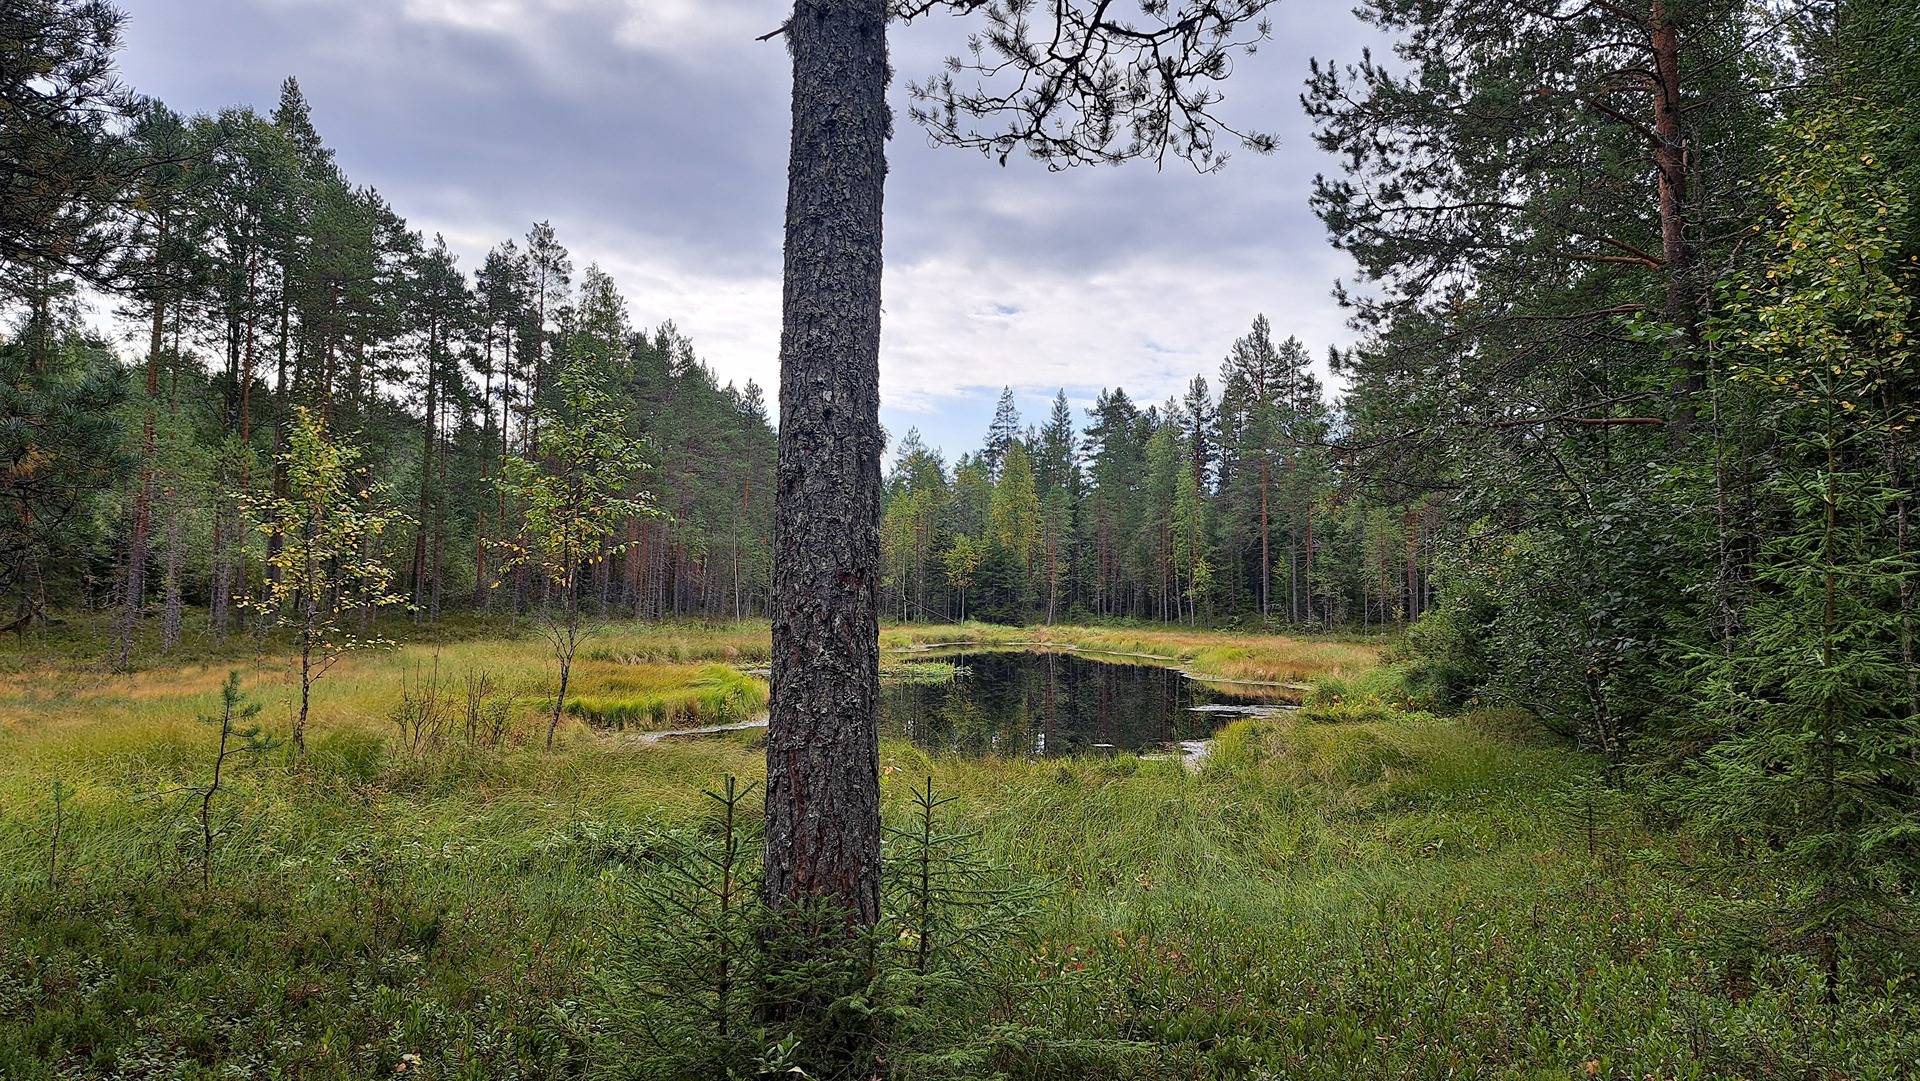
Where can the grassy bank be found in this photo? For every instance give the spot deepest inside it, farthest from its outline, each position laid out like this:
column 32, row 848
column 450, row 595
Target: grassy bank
column 1205, row 654
column 1360, row 890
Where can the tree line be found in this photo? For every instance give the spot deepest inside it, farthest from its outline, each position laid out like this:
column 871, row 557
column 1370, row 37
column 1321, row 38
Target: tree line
column 1235, row 508
column 263, row 281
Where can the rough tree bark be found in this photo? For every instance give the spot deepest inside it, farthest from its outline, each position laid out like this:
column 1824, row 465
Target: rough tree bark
column 1671, row 150
column 423, row 523
column 823, row 785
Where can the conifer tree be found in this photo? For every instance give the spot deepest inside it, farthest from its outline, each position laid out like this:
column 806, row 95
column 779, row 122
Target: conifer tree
column 1001, row 434
column 62, row 170
column 171, row 268
column 1810, row 716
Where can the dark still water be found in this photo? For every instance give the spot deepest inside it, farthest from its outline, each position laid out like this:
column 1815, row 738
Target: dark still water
column 1019, row 703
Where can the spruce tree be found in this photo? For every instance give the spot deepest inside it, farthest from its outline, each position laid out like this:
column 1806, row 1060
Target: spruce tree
column 1001, row 434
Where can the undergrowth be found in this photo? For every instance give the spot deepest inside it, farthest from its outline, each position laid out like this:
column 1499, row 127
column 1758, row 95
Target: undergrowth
column 1363, row 888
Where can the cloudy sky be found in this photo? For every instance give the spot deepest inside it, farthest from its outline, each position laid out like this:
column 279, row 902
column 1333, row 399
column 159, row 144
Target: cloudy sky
column 653, row 134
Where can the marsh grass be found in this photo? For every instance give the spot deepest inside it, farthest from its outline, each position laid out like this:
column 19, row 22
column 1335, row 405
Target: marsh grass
column 681, row 642
column 1338, row 893
column 1221, row 654
column 654, row 697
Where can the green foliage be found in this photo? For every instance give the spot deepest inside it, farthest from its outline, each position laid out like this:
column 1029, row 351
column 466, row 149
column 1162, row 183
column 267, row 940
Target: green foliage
column 264, row 279
column 1807, row 722
column 577, row 488
column 1628, row 441
column 1374, row 696
column 1443, row 653
column 1665, row 466
column 572, row 495
column 65, row 169
column 702, row 982
column 962, row 560
column 327, row 522
column 1197, row 507
column 684, row 984
column 64, row 447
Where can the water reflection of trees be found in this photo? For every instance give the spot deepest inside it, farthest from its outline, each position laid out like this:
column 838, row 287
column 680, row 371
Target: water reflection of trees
column 1049, row 704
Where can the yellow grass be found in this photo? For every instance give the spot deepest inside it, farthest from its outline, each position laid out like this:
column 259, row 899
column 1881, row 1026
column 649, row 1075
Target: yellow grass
column 46, row 696
column 1226, row 655
column 64, row 705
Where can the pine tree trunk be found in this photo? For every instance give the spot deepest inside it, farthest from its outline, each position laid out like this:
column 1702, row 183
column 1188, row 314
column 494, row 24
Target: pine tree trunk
column 170, row 587
column 1266, row 557
column 746, row 494
column 506, row 423
column 237, row 552
column 1308, row 578
column 1293, row 577
column 632, row 561
column 485, row 453
column 134, row 596
column 220, row 596
column 823, row 785
column 423, row 522
column 437, row 561
column 282, row 391
column 1412, row 521
column 1682, row 302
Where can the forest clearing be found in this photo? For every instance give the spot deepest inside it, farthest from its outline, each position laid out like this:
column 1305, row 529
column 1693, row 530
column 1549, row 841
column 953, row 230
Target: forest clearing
column 583, row 541
column 1360, row 888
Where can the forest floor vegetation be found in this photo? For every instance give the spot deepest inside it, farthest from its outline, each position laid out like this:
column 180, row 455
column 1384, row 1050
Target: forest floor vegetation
column 1361, row 888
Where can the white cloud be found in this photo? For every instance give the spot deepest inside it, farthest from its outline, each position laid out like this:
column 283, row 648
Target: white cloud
column 1148, row 324
column 667, row 26
column 660, row 26
column 486, row 16
column 955, row 331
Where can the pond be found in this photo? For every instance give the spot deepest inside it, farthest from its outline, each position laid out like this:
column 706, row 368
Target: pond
column 1056, row 703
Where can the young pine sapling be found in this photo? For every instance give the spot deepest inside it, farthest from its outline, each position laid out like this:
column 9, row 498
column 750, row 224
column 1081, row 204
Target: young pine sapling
column 238, row 735
column 61, row 793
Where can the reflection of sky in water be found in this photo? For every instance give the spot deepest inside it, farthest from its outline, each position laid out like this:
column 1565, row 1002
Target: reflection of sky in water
column 1052, row 704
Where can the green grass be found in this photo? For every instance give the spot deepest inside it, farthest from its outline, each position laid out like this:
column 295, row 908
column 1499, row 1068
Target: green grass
column 652, row 698
column 1360, row 890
